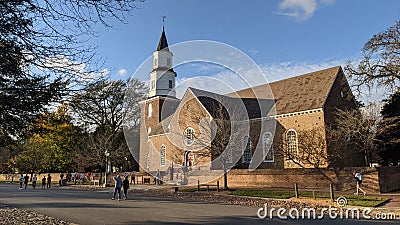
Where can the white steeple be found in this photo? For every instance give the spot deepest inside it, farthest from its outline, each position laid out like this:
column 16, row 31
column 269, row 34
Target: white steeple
column 162, row 77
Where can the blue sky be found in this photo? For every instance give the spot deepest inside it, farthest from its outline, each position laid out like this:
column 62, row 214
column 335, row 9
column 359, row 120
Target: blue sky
column 284, row 37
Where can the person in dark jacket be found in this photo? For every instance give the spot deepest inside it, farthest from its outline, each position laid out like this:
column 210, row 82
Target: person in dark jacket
column 44, row 182
column 125, row 185
column 26, row 179
column 117, row 188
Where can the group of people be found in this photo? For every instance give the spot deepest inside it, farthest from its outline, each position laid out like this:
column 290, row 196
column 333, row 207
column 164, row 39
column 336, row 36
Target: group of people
column 24, row 180
column 123, row 184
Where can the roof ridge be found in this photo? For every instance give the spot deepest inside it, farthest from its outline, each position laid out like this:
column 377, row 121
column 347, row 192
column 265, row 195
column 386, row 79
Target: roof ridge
column 289, row 78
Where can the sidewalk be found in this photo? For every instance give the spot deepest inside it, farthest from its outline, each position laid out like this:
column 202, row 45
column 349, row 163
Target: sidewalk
column 394, row 201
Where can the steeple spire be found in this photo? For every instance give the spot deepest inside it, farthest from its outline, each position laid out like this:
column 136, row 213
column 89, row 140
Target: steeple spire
column 162, row 77
column 163, row 41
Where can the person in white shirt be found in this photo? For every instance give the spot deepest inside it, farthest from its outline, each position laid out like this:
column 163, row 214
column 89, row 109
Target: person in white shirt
column 21, row 181
column 34, row 180
column 359, row 179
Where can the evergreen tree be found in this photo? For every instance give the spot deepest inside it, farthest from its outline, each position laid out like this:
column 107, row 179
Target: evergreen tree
column 388, row 137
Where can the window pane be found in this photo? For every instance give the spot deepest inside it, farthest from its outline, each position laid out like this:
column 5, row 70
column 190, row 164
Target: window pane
column 268, row 151
column 291, row 145
column 162, row 155
column 247, row 155
column 188, row 136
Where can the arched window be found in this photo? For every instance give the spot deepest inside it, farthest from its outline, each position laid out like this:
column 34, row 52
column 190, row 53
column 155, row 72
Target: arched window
column 150, row 110
column 188, row 136
column 247, row 155
column 163, row 154
column 268, row 150
column 292, row 149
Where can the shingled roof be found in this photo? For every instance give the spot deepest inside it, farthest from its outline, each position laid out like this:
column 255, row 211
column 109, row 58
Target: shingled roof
column 212, row 102
column 300, row 93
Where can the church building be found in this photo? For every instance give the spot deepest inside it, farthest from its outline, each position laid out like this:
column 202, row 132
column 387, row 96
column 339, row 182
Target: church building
column 206, row 130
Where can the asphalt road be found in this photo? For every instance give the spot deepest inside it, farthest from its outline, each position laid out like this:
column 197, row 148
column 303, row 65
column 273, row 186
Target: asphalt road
column 93, row 207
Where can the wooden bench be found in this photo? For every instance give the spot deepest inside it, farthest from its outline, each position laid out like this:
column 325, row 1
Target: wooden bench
column 207, row 185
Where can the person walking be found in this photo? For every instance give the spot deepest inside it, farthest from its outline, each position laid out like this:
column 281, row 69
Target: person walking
column 125, row 185
column 133, row 177
column 26, row 179
column 34, row 180
column 158, row 178
column 117, row 188
column 359, row 179
column 44, row 182
column 21, row 181
column 48, row 180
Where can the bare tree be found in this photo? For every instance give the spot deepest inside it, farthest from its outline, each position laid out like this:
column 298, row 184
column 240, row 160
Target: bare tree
column 380, row 64
column 312, row 146
column 358, row 132
column 44, row 53
column 222, row 132
column 103, row 109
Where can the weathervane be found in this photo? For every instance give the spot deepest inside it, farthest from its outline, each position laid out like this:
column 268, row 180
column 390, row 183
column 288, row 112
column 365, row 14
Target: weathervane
column 163, row 19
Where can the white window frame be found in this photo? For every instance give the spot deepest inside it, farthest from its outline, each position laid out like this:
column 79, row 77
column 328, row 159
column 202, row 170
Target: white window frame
column 163, row 155
column 267, row 141
column 247, row 155
column 292, row 145
column 150, row 110
column 188, row 136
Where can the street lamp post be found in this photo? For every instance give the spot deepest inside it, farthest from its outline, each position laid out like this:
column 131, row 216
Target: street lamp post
column 13, row 172
column 105, row 172
column 126, row 164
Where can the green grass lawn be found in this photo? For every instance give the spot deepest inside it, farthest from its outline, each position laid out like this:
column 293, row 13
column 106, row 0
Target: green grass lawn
column 364, row 201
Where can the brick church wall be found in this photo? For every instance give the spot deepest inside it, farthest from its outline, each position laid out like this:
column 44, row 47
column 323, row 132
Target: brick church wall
column 342, row 180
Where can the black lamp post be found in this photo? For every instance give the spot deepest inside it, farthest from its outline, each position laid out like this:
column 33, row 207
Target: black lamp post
column 105, row 173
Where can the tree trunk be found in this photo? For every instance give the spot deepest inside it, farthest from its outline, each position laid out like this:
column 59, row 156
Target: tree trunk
column 101, row 176
column 225, row 179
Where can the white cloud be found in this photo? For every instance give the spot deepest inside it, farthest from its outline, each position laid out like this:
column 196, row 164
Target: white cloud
column 301, row 9
column 76, row 72
column 122, row 72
